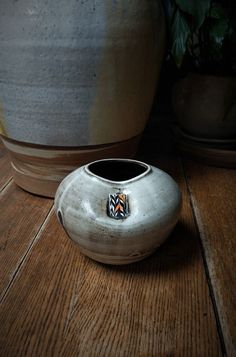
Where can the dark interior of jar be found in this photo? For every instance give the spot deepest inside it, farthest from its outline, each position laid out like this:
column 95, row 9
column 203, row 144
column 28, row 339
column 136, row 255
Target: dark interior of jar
column 117, row 170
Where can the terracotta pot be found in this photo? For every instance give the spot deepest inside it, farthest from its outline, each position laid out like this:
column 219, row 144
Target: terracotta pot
column 205, row 106
column 77, row 77
column 118, row 211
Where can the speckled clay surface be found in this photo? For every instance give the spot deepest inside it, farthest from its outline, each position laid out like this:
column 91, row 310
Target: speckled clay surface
column 76, row 72
column 82, row 204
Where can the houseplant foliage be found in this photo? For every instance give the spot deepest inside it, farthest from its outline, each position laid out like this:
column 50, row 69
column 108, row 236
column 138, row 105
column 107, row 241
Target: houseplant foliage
column 202, row 50
column 202, row 35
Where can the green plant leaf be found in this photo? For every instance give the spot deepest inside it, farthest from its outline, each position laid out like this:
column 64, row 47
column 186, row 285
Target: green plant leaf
column 217, row 11
column 179, row 35
column 170, row 8
column 196, row 8
column 219, row 31
column 193, row 46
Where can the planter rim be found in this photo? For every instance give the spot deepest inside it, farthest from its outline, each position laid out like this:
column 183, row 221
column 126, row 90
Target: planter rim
column 206, row 75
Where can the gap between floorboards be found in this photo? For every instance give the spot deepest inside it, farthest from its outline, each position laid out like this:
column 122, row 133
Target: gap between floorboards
column 196, row 216
column 27, row 253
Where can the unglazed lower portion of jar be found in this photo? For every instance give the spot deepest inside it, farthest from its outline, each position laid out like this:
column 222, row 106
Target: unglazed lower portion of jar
column 116, row 259
column 39, row 169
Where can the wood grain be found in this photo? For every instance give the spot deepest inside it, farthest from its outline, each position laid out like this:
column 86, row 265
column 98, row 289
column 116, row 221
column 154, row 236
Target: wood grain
column 213, row 194
column 5, row 167
column 21, row 217
column 63, row 304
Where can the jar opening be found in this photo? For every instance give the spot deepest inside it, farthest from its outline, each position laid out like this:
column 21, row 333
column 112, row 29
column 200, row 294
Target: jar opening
column 117, row 170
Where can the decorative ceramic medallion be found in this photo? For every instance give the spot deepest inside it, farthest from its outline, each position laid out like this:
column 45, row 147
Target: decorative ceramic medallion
column 118, row 207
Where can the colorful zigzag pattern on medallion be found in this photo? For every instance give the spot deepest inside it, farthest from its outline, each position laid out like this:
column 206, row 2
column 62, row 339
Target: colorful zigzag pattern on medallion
column 118, row 206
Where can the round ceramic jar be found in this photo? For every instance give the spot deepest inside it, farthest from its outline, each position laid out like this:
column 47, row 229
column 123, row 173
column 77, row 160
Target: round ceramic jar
column 118, row 210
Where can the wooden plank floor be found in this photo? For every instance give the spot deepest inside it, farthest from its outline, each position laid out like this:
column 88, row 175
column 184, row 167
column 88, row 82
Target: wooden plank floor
column 213, row 195
column 179, row 302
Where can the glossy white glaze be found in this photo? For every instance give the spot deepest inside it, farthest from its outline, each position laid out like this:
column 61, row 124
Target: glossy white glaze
column 154, row 201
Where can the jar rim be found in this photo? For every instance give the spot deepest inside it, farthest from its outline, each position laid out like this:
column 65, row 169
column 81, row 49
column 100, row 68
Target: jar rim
column 142, row 170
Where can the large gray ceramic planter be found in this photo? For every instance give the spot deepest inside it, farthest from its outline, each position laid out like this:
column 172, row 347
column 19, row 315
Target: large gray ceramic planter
column 77, row 80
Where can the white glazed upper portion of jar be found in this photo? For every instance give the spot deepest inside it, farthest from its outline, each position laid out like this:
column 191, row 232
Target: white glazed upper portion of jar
column 77, row 72
column 154, row 206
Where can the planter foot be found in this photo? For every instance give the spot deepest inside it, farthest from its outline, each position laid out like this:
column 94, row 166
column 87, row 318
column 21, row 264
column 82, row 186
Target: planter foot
column 40, row 169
